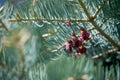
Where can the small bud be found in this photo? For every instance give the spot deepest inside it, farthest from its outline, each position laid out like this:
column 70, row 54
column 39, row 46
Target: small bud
column 83, row 29
column 67, row 22
column 69, row 41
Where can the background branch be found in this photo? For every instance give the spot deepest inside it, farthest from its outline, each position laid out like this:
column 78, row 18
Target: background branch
column 3, row 65
column 3, row 25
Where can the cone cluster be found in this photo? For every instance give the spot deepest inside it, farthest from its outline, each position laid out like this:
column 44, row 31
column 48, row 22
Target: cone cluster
column 76, row 43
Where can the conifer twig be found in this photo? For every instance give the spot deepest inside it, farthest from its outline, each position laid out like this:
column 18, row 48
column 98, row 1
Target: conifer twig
column 96, row 26
column 105, row 53
column 44, row 19
column 105, row 35
column 90, row 29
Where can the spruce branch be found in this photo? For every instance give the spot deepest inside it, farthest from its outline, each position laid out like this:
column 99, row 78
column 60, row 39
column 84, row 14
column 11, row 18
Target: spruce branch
column 99, row 8
column 44, row 19
column 111, row 51
column 105, row 53
column 97, row 27
column 85, row 9
column 105, row 35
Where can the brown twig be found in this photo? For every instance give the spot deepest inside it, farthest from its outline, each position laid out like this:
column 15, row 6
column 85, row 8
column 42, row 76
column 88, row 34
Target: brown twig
column 43, row 19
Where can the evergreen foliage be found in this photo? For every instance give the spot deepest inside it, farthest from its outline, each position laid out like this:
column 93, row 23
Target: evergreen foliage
column 33, row 33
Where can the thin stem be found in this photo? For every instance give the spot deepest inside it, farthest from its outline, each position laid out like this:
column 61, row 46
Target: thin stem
column 84, row 8
column 90, row 29
column 99, row 8
column 104, row 21
column 102, row 54
column 96, row 26
column 43, row 19
column 105, row 35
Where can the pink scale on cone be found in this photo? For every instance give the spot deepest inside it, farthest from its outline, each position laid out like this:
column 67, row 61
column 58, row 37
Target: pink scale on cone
column 75, row 41
column 68, row 46
column 84, row 34
column 81, row 40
